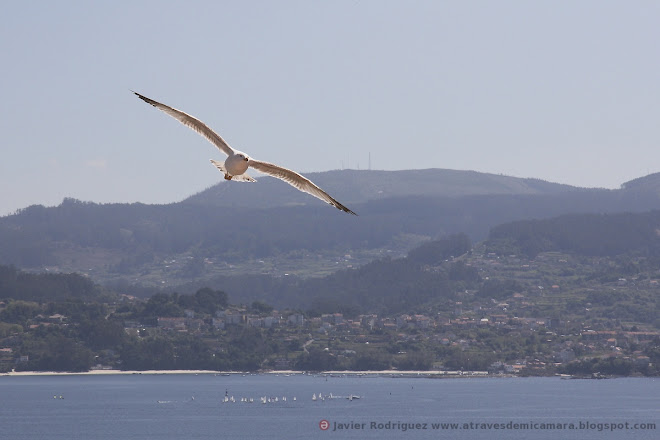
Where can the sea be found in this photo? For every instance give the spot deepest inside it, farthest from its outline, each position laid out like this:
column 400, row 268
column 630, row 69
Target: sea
column 306, row 406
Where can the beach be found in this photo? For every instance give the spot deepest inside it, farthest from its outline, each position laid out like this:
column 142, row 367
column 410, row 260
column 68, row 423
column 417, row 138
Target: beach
column 391, row 373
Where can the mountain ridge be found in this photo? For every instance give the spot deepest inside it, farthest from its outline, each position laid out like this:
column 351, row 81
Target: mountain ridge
column 200, row 238
column 360, row 186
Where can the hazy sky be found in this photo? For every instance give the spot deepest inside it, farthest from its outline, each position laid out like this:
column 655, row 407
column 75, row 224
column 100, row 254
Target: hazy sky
column 566, row 91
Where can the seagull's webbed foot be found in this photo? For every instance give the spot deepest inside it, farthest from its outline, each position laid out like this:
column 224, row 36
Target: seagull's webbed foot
column 228, row 177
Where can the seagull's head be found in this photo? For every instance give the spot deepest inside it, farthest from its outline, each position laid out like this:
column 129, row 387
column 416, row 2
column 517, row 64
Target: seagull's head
column 243, row 156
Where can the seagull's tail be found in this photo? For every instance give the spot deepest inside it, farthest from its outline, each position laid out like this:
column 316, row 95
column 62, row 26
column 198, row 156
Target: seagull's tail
column 219, row 165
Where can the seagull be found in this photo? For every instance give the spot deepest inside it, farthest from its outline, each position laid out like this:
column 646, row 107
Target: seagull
column 237, row 162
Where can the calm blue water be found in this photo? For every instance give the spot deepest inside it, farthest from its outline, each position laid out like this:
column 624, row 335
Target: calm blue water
column 162, row 407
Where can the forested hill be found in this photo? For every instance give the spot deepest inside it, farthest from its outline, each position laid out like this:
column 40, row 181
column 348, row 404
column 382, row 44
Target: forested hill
column 432, row 275
column 599, row 233
column 387, row 285
column 45, row 287
column 136, row 242
column 358, row 187
column 587, row 234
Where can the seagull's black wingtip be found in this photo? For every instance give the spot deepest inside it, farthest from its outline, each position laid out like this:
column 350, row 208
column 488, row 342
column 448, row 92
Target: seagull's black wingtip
column 345, row 209
column 144, row 98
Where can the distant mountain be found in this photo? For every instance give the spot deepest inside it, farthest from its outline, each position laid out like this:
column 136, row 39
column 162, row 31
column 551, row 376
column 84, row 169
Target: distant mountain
column 274, row 229
column 648, row 184
column 356, row 187
column 602, row 235
column 599, row 233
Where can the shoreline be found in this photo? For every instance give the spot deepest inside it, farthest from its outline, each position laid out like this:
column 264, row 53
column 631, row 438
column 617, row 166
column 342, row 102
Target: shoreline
column 368, row 373
column 111, row 372
column 409, row 374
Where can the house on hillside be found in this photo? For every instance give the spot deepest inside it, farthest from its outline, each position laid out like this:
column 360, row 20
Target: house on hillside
column 296, row 319
column 166, row 323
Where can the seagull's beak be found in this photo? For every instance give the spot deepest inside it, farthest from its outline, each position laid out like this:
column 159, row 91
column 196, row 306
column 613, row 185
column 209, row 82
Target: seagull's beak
column 246, row 159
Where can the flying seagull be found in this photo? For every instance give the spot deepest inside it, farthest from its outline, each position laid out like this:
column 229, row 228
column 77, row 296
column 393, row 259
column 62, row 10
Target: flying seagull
column 237, row 162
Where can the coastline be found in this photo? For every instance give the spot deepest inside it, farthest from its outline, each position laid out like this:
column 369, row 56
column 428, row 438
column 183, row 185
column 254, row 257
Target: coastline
column 110, row 372
column 338, row 373
column 410, row 374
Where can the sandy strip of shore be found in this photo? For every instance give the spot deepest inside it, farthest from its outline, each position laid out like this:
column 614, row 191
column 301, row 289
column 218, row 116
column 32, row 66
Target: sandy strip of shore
column 107, row 372
column 277, row 372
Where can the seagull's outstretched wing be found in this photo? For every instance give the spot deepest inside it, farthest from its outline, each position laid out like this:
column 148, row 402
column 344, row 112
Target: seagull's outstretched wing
column 298, row 181
column 192, row 122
